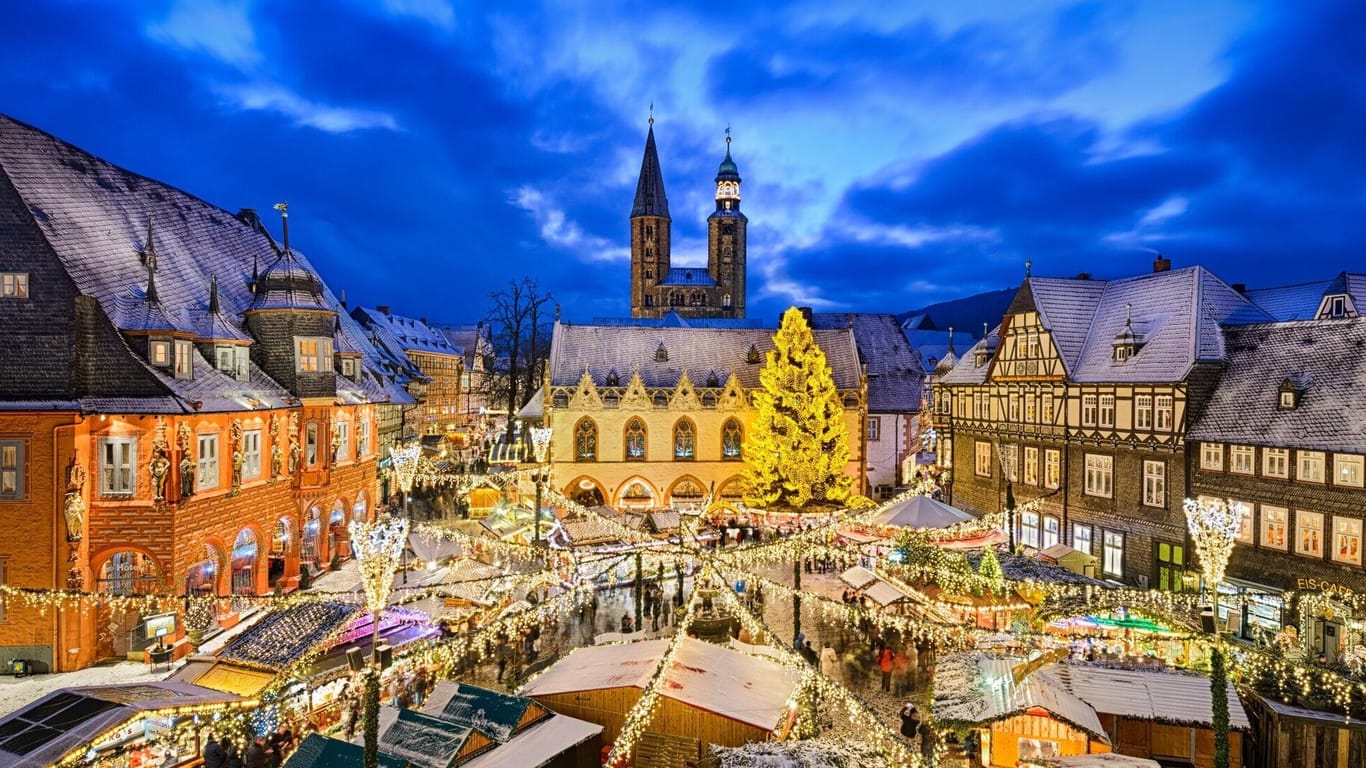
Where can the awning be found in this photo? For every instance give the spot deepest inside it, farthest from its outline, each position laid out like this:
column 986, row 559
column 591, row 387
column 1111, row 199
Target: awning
column 236, row 680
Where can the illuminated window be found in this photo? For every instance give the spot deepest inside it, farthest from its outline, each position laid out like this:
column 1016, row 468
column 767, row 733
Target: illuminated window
column 1154, row 484
column 1052, row 467
column 1010, row 459
column 1347, row 540
column 11, row 469
column 184, row 359
column 1212, row 456
column 1031, row 465
column 159, row 353
column 1347, row 470
column 311, row 445
column 1242, row 459
column 635, row 440
column 343, row 440
column 1100, row 480
column 206, row 474
column 251, row 454
column 1107, row 410
column 118, row 464
column 1308, row 533
column 1031, row 406
column 1014, row 406
column 13, row 285
column 1163, row 412
column 1276, row 462
column 982, row 465
column 732, row 440
column 1088, row 410
column 312, row 354
column 1310, row 468
column 1048, row 407
column 1052, row 531
column 1113, row 554
column 1081, row 538
column 586, row 441
column 1029, row 529
column 1143, row 412
column 874, row 429
column 685, row 440
column 1273, row 527
column 363, row 438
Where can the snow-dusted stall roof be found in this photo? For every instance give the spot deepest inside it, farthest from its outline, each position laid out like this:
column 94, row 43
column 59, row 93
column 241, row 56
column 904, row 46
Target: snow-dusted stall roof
column 64, row 721
column 430, row 547
column 709, row 677
column 538, row 745
column 977, row 688
column 1099, row 760
column 885, row 594
column 858, row 577
column 1172, row 697
column 921, row 512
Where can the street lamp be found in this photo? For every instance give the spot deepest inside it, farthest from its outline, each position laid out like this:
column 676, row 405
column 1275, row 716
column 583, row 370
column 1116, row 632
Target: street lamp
column 1214, row 528
column 378, row 546
column 540, row 445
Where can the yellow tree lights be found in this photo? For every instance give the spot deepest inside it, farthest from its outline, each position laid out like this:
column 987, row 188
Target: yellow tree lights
column 378, row 546
column 797, row 449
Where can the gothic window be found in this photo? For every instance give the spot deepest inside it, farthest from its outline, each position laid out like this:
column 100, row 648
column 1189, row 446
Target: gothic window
column 685, row 440
column 613, row 380
column 649, row 231
column 675, row 298
column 635, row 440
column 586, row 441
column 725, row 297
column 712, row 379
column 649, row 274
column 698, row 299
column 752, row 357
column 708, row 400
column 649, row 300
column 661, row 354
column 649, row 253
column 731, row 439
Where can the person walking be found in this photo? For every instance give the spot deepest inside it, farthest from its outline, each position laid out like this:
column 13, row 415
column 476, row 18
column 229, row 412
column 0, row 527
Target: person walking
column 256, row 754
column 830, row 663
column 910, row 720
column 234, row 756
column 884, row 664
column 214, row 754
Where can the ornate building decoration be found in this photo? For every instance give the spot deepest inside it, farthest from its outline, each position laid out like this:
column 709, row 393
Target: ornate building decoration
column 159, row 467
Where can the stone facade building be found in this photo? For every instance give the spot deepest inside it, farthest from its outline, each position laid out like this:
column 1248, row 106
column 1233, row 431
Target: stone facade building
column 658, row 287
column 183, row 410
column 1076, row 406
column 1283, row 435
column 648, row 416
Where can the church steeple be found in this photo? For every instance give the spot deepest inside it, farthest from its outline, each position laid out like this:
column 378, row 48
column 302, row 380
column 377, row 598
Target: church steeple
column 728, row 182
column 650, row 197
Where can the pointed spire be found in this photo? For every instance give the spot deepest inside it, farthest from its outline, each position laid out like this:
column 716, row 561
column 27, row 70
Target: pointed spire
column 1128, row 315
column 1029, row 265
column 255, row 272
column 650, row 198
column 950, row 339
column 213, row 294
column 149, row 251
column 283, row 208
column 152, row 283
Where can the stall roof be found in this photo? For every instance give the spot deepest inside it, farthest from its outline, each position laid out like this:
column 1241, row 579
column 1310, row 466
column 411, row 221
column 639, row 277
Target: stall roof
column 921, row 512
column 1099, row 760
column 858, row 577
column 885, row 594
column 230, row 678
column 537, row 745
column 74, row 718
column 288, row 635
column 981, row 688
column 1147, row 695
column 497, row 715
column 419, row 740
column 318, row 751
column 710, row 677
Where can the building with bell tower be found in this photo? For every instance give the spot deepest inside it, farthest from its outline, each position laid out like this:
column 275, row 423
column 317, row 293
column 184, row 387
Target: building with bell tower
column 658, row 287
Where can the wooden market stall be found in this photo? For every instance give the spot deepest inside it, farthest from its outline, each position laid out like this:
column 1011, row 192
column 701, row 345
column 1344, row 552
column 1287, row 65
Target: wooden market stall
column 712, row 694
column 1292, row 736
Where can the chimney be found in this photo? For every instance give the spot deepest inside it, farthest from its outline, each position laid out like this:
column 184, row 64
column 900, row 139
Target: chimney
column 1240, row 288
column 1162, row 264
column 1084, row 276
column 384, row 308
column 343, row 298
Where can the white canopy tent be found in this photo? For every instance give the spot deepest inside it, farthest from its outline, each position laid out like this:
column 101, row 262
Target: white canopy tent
column 921, row 512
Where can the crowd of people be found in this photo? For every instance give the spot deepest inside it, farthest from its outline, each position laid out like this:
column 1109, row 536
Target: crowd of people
column 261, row 752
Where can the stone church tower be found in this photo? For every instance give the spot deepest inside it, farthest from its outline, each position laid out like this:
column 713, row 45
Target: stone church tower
column 658, row 287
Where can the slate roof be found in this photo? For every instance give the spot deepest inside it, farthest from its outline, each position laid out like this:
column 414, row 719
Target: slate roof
column 895, row 372
column 95, row 216
column 672, row 319
column 406, row 333
column 1301, row 300
column 689, row 277
column 965, row 369
column 470, row 340
column 626, row 349
column 1326, row 357
column 650, row 198
column 1180, row 315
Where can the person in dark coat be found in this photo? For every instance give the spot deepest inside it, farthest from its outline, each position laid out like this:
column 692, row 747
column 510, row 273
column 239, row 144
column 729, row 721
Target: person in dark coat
column 234, row 756
column 256, row 754
column 910, row 721
column 214, row 754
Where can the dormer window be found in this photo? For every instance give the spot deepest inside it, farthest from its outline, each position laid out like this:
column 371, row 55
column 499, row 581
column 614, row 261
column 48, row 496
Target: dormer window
column 232, row 361
column 1123, row 352
column 13, row 285
column 980, row 357
column 184, row 359
column 752, row 357
column 661, row 354
column 159, row 352
column 1289, row 395
column 613, row 380
column 312, row 354
column 1337, row 306
column 348, row 368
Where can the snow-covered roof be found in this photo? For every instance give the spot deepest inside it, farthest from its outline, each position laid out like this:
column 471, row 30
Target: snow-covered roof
column 710, row 677
column 1098, row 760
column 538, row 745
column 1324, row 359
column 885, row 594
column 1147, row 695
column 921, row 512
column 981, row 688
column 858, row 577
column 895, row 372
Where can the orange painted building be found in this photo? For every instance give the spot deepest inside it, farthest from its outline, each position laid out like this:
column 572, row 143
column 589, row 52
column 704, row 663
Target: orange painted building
column 184, row 409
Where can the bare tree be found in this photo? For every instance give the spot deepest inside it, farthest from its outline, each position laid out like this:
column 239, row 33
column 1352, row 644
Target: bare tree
column 519, row 331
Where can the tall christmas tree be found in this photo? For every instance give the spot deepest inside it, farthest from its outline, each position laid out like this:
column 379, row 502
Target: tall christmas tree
column 797, row 449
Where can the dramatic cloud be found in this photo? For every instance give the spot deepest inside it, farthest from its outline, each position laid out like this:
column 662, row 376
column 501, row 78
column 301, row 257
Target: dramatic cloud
column 892, row 156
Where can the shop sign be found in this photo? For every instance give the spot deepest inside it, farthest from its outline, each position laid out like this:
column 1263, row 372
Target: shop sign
column 1322, row 585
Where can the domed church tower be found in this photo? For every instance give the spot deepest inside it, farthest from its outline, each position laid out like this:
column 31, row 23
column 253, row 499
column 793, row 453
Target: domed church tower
column 726, row 239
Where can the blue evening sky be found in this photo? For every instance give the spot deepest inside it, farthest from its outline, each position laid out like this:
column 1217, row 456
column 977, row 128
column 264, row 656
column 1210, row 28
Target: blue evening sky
column 893, row 154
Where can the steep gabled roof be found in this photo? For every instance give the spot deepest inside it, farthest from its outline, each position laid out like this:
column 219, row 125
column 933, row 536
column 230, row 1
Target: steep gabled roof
column 895, row 373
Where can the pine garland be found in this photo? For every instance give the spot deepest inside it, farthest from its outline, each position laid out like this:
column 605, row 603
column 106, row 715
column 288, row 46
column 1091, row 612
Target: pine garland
column 371, row 719
column 1218, row 682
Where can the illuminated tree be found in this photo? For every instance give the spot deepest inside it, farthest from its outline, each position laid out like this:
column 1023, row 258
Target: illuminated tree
column 798, row 447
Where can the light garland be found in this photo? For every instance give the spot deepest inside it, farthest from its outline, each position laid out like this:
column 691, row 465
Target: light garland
column 1214, row 528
